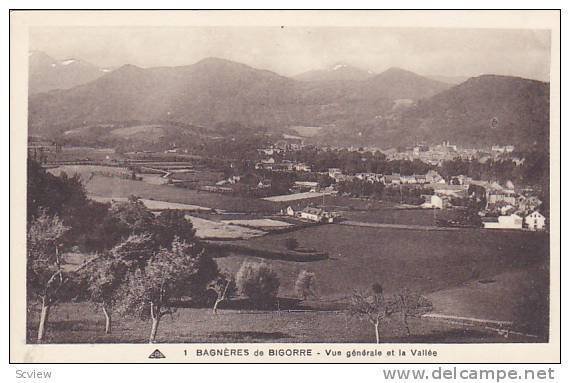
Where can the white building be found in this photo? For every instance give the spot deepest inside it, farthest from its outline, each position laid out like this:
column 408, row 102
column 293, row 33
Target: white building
column 535, row 221
column 334, row 172
column 512, row 221
column 318, row 215
column 434, row 202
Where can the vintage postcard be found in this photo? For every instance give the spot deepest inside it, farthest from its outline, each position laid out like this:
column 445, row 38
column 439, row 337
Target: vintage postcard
column 285, row 186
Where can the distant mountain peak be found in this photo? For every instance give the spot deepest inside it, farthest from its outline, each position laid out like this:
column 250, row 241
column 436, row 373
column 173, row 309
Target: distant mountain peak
column 339, row 66
column 69, row 61
column 396, row 71
column 217, row 61
column 336, row 72
column 47, row 73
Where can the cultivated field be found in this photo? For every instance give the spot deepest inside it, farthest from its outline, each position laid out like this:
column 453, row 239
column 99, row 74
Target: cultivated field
column 207, row 229
column 294, row 197
column 152, row 204
column 86, row 171
column 117, row 187
column 263, row 223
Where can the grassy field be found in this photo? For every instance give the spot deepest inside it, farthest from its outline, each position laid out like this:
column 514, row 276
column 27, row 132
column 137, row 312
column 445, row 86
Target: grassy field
column 422, row 217
column 117, row 187
column 423, row 260
column 81, row 323
column 519, row 296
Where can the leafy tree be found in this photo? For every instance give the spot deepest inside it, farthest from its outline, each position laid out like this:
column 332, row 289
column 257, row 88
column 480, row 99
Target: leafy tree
column 132, row 217
column 411, row 304
column 106, row 275
column 224, row 287
column 61, row 196
column 258, row 282
column 44, row 273
column 105, row 278
column 135, row 251
column 149, row 291
column 172, row 223
column 373, row 307
column 305, row 285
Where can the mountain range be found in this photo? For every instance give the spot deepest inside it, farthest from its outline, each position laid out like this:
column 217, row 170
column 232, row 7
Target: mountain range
column 387, row 109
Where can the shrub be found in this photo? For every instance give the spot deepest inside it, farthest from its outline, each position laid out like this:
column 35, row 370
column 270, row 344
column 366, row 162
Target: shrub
column 305, row 284
column 258, row 282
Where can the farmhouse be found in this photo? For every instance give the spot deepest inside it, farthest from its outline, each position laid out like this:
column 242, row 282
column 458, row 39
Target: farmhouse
column 317, row 215
column 301, row 167
column 334, row 172
column 433, row 177
column 433, row 202
column 392, row 179
column 370, row 177
column 507, row 196
column 216, row 189
column 408, row 179
column 512, row 221
column 305, row 186
column 313, row 214
column 535, row 221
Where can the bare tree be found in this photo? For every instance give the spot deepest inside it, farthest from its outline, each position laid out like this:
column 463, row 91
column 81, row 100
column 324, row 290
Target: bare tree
column 44, row 264
column 410, row 304
column 224, row 286
column 372, row 307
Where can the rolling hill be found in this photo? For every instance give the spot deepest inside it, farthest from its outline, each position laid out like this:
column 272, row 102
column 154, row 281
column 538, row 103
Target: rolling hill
column 488, row 109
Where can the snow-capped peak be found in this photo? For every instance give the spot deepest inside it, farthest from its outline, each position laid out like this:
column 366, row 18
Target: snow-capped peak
column 67, row 62
column 339, row 66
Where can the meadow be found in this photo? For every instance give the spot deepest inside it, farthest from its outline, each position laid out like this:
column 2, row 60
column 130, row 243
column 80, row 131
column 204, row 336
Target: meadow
column 83, row 323
column 424, row 260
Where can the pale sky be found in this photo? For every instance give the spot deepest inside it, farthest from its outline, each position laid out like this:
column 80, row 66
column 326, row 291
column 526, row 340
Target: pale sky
column 293, row 50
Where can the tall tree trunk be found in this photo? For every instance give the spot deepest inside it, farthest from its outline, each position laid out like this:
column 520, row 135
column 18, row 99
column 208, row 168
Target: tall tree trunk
column 407, row 326
column 377, row 331
column 216, row 305
column 107, row 320
column 155, row 315
column 43, row 319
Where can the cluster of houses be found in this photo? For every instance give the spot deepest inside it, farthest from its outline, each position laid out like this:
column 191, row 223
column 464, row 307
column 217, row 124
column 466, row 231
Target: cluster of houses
column 505, row 208
column 534, row 221
column 388, row 179
column 285, row 165
column 435, row 155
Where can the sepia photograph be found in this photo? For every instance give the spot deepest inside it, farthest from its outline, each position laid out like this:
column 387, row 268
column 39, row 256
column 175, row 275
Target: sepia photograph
column 286, row 184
